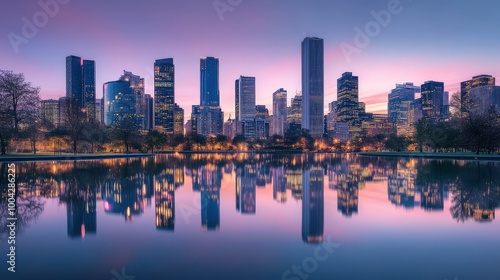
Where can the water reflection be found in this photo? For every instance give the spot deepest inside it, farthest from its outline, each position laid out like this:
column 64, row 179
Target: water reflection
column 126, row 187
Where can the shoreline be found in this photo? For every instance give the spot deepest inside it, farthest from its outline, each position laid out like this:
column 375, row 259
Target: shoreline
column 67, row 157
column 451, row 156
column 77, row 157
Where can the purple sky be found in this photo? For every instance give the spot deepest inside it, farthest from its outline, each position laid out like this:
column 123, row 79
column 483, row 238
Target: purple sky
column 448, row 41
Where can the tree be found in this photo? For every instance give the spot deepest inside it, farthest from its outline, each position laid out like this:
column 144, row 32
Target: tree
column 19, row 102
column 94, row 133
column 73, row 122
column 422, row 133
column 155, row 139
column 126, row 132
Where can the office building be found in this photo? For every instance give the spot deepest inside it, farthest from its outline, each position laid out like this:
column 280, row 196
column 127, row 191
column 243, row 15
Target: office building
column 120, row 103
column 433, row 103
column 209, row 82
column 178, row 120
column 164, row 94
column 396, row 107
column 49, row 110
column 207, row 120
column 477, row 81
column 80, row 84
column 312, row 86
column 279, row 112
column 245, row 98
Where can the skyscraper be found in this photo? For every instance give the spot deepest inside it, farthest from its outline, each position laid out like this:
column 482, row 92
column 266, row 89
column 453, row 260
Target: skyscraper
column 433, row 105
column 313, row 86
column 279, row 111
column 396, row 107
column 49, row 110
column 164, row 96
column 178, row 120
column 477, row 81
column 348, row 106
column 80, row 84
column 137, row 86
column 120, row 103
column 209, row 82
column 245, row 101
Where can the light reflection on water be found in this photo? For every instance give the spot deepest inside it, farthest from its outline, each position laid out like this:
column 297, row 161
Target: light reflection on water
column 255, row 216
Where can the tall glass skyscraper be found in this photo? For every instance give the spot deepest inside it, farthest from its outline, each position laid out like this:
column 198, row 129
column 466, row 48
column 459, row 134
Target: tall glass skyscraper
column 433, row 103
column 120, row 103
column 313, row 86
column 245, row 101
column 209, row 82
column 477, row 81
column 398, row 102
column 80, row 84
column 348, row 106
column 164, row 96
column 279, row 112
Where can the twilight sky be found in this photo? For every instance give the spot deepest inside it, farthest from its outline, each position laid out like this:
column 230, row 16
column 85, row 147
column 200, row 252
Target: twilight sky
column 448, row 41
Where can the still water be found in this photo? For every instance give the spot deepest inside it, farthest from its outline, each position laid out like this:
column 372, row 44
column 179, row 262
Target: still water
column 255, row 216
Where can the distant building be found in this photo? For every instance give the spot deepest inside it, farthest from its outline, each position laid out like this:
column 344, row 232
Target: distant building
column 188, row 127
column 341, row 131
column 313, row 85
column 120, row 103
column 245, row 98
column 279, row 112
column 80, row 84
column 99, row 110
column 229, row 128
column 178, row 120
column 164, row 95
column 348, row 106
column 254, row 128
column 49, row 110
column 486, row 96
column 138, row 87
column 433, row 101
column 209, row 82
column 477, row 81
column 331, row 119
column 261, row 112
column 148, row 112
column 381, row 125
column 207, row 120
column 397, row 107
column 295, row 111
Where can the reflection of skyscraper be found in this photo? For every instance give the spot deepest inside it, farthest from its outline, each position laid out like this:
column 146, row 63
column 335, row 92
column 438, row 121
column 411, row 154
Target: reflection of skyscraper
column 279, row 185
column 210, row 207
column 81, row 214
column 432, row 197
column 345, row 178
column 312, row 205
column 165, row 200
column 246, row 189
column 401, row 186
column 294, row 182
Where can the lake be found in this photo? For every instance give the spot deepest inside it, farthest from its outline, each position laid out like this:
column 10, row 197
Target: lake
column 254, row 216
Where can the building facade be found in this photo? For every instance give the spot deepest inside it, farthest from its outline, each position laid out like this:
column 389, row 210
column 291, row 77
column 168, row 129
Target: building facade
column 245, row 98
column 209, row 82
column 80, row 84
column 279, row 112
column 313, row 85
column 164, row 94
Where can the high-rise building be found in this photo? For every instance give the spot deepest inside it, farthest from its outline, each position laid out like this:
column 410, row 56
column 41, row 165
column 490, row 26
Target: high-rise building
column 279, row 112
column 331, row 119
column 207, row 120
column 261, row 112
column 477, row 81
column 433, row 104
column 138, row 87
column 312, row 205
column 245, row 98
column 120, row 103
column 209, row 82
column 313, row 86
column 486, row 97
column 148, row 111
column 178, row 120
column 348, row 106
column 164, row 95
column 398, row 115
column 80, row 84
column 49, row 110
column 99, row 109
column 295, row 111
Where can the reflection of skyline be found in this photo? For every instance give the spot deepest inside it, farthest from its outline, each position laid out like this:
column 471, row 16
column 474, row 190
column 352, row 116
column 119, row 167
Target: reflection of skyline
column 127, row 186
column 165, row 200
column 312, row 205
column 246, row 184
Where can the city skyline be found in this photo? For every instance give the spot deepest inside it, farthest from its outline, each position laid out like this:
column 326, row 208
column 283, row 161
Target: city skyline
column 378, row 64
